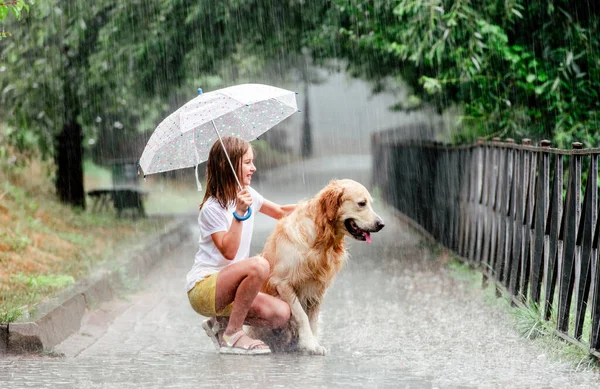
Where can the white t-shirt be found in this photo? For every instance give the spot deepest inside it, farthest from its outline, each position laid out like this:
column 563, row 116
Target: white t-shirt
column 214, row 218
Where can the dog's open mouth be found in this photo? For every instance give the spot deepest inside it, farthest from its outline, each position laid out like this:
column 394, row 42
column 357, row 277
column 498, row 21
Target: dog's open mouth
column 357, row 232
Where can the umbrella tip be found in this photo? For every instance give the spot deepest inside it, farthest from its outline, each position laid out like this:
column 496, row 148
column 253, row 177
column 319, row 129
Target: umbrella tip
column 199, row 91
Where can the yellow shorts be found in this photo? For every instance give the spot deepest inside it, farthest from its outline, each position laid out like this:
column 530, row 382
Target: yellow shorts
column 202, row 297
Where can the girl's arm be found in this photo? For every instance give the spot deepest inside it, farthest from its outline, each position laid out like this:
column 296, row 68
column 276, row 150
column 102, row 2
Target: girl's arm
column 276, row 211
column 228, row 242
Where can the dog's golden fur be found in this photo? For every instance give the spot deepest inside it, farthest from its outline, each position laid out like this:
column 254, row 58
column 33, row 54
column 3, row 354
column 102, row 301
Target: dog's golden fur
column 306, row 251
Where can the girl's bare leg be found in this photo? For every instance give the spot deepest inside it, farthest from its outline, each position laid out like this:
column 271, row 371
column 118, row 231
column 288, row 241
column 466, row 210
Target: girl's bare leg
column 241, row 283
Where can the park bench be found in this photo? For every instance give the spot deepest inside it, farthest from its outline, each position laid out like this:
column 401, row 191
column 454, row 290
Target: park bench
column 125, row 193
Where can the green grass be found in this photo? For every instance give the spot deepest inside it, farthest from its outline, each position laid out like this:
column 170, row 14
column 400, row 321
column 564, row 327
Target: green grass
column 15, row 239
column 530, row 324
column 76, row 238
column 10, row 313
column 97, row 176
column 44, row 281
column 463, row 272
column 32, row 288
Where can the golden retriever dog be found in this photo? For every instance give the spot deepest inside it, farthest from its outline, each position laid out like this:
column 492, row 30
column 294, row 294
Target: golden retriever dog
column 306, row 250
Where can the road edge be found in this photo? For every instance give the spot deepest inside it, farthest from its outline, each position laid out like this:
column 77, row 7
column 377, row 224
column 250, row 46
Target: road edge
column 416, row 227
column 57, row 319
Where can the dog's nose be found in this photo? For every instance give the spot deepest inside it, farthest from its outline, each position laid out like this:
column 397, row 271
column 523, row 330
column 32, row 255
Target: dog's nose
column 379, row 224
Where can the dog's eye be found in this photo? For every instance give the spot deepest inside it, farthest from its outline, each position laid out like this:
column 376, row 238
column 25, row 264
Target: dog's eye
column 362, row 204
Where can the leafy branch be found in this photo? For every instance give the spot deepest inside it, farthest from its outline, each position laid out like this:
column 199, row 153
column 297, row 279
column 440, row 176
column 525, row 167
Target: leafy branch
column 14, row 6
column 517, row 68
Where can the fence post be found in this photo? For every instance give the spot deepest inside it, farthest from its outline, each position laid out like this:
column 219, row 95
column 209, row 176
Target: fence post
column 509, row 211
column 555, row 217
column 489, row 248
column 479, row 207
column 520, row 199
column 584, row 240
column 456, row 204
column 595, row 274
column 500, row 213
column 539, row 229
column 566, row 267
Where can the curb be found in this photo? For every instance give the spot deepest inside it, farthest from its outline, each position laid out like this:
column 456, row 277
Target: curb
column 57, row 319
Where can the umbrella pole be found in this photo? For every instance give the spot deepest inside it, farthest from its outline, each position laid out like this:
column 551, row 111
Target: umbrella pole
column 227, row 155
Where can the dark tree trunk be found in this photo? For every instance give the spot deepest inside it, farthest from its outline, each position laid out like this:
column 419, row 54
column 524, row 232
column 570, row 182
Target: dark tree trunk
column 69, row 162
column 69, row 151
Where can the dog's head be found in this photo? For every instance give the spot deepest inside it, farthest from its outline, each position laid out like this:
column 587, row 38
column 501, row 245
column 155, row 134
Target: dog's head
column 348, row 206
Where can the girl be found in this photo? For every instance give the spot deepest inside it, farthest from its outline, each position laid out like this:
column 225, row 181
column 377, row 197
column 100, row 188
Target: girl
column 224, row 281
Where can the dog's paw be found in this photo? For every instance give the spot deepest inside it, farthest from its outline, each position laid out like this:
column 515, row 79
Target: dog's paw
column 319, row 350
column 312, row 348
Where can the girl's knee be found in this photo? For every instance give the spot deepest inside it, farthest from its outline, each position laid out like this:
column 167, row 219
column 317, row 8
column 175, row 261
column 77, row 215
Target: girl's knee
column 260, row 267
column 280, row 314
column 285, row 313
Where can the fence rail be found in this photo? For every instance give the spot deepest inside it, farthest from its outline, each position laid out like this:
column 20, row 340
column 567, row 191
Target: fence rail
column 526, row 215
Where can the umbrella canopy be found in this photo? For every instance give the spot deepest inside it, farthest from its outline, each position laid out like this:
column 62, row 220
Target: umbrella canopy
column 185, row 137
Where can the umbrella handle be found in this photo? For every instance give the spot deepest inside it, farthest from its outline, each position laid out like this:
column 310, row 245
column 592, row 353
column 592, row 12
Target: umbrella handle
column 242, row 218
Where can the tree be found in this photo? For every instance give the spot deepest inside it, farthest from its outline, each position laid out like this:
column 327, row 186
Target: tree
column 96, row 65
column 45, row 88
column 517, row 68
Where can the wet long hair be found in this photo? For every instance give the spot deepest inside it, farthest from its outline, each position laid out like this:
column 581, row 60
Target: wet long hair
column 220, row 181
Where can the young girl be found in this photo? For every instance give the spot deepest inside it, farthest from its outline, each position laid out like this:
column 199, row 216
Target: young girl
column 224, row 281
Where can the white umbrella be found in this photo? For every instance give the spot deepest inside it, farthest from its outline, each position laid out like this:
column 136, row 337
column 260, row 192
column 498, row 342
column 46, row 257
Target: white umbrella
column 185, row 137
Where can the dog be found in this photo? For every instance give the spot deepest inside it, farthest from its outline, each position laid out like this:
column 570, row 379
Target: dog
column 306, row 250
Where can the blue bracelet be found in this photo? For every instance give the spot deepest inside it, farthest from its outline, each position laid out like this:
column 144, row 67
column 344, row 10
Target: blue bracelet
column 242, row 218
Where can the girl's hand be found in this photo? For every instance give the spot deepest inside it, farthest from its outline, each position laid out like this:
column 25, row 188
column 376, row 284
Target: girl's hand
column 244, row 200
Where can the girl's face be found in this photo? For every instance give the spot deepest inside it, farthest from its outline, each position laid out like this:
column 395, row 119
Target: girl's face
column 248, row 167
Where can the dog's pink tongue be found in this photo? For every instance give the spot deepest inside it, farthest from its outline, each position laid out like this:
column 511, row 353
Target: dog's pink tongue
column 367, row 237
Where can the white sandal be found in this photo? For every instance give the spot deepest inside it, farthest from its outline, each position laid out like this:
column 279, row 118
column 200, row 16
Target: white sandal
column 231, row 347
column 212, row 327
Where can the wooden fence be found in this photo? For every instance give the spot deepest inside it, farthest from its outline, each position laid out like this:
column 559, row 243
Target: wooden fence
column 524, row 214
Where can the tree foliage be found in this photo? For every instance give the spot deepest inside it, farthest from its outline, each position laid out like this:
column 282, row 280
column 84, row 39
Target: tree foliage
column 141, row 59
column 517, row 68
column 15, row 7
column 82, row 70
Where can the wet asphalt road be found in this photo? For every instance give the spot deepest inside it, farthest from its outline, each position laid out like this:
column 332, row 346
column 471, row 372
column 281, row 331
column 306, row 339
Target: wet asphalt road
column 394, row 318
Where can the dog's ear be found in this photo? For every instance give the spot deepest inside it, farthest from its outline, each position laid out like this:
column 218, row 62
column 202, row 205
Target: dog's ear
column 331, row 200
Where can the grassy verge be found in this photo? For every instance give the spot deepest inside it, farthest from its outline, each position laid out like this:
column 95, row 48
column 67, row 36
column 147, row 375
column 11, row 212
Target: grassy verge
column 46, row 246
